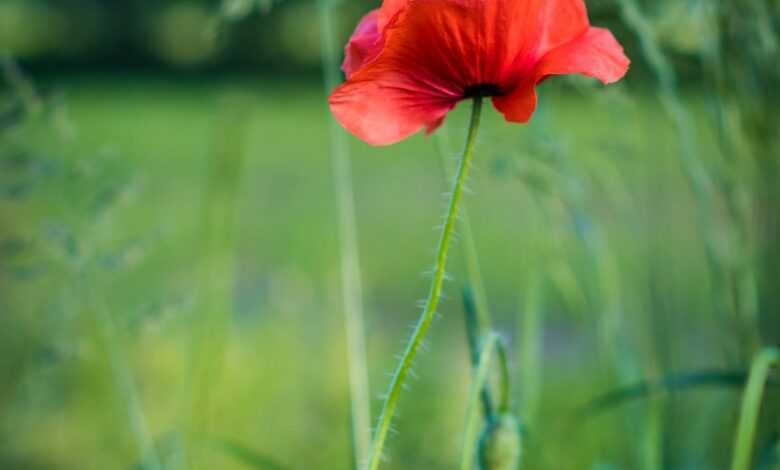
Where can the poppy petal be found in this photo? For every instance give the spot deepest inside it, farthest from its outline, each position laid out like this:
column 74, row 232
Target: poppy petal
column 389, row 11
column 364, row 46
column 518, row 105
column 432, row 127
column 383, row 108
column 596, row 54
column 411, row 61
column 560, row 22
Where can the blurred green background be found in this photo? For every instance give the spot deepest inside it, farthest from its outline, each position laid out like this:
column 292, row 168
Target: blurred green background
column 170, row 289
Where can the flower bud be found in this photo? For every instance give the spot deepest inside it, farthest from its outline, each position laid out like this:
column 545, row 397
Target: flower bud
column 501, row 444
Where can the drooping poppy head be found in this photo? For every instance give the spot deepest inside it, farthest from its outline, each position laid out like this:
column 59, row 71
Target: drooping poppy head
column 411, row 61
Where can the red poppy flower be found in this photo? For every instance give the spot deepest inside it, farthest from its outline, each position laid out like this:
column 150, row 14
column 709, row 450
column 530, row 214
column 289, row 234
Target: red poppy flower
column 411, row 61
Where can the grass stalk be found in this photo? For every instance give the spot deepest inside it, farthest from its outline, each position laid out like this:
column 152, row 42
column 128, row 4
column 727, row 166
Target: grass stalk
column 492, row 346
column 751, row 405
column 420, row 331
column 352, row 290
column 473, row 338
column 699, row 178
column 126, row 387
column 531, row 338
column 215, row 305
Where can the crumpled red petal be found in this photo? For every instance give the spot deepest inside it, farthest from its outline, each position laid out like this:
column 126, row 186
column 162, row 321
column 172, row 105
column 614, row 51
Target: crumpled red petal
column 364, row 46
column 389, row 12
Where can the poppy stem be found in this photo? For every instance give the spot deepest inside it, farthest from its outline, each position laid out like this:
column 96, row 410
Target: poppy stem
column 413, row 347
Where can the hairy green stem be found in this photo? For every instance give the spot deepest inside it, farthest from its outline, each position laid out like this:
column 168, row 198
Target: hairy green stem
column 402, row 372
column 469, row 247
column 751, row 404
column 352, row 290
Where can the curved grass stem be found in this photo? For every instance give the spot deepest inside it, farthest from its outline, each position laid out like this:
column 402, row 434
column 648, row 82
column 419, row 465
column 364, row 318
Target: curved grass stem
column 504, row 397
column 402, row 372
column 751, row 405
column 351, row 285
column 482, row 373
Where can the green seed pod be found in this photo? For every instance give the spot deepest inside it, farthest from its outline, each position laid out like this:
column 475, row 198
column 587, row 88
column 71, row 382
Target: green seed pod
column 501, row 444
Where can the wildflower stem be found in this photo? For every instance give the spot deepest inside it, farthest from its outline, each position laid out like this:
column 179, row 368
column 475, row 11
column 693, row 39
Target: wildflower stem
column 402, row 372
column 751, row 404
column 479, row 296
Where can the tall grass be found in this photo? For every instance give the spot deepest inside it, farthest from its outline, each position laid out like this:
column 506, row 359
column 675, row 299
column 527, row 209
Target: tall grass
column 80, row 247
column 733, row 278
column 215, row 303
column 751, row 405
column 351, row 284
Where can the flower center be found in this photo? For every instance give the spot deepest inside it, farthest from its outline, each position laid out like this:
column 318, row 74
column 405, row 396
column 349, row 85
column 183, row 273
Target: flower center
column 483, row 90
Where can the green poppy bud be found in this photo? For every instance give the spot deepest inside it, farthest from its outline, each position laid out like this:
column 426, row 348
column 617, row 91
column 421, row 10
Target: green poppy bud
column 501, row 444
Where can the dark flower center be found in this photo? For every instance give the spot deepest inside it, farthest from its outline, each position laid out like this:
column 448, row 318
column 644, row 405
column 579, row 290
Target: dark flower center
column 483, row 89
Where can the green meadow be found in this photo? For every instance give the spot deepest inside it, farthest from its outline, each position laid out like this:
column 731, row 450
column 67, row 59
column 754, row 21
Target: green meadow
column 170, row 281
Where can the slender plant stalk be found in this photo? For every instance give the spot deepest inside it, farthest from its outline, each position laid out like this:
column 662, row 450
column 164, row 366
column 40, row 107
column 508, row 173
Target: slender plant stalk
column 504, row 396
column 123, row 381
column 469, row 246
column 217, row 277
column 402, row 372
column 478, row 318
column 471, row 439
column 531, row 349
column 22, row 86
column 751, row 404
column 352, row 290
column 473, row 338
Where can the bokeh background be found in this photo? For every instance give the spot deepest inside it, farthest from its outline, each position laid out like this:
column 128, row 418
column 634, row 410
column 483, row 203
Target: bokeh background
column 170, row 288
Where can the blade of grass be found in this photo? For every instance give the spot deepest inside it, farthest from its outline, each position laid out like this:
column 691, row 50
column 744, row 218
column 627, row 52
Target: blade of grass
column 531, row 338
column 217, row 277
column 481, row 375
column 352, row 290
column 247, row 455
column 672, row 383
column 473, row 338
column 124, row 383
column 22, row 86
column 751, row 405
